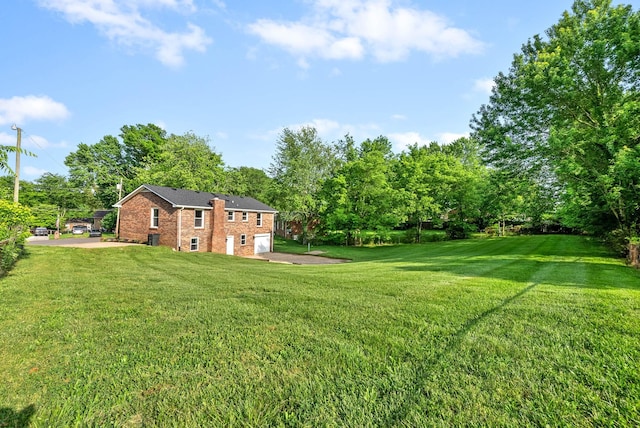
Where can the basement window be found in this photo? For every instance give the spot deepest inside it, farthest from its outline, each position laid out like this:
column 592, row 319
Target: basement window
column 195, row 244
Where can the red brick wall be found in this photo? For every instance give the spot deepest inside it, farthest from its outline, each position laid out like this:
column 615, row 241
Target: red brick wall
column 135, row 224
column 135, row 219
column 189, row 230
column 218, row 218
column 248, row 228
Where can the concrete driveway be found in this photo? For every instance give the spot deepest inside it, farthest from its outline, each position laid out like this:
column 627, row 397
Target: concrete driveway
column 298, row 259
column 294, row 259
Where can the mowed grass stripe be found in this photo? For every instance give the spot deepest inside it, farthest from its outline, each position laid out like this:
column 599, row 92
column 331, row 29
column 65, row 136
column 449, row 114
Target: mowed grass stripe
column 516, row 331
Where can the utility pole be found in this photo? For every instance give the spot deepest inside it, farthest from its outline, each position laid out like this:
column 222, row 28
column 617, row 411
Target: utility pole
column 119, row 187
column 16, row 183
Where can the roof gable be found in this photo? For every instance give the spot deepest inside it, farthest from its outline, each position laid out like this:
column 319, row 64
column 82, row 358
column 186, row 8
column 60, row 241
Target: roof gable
column 182, row 198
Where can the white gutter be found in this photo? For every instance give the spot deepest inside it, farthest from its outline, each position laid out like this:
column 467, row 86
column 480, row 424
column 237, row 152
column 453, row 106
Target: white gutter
column 273, row 230
column 179, row 238
column 191, row 207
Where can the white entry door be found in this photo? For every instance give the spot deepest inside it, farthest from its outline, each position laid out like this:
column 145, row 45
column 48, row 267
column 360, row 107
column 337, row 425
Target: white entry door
column 262, row 243
column 230, row 245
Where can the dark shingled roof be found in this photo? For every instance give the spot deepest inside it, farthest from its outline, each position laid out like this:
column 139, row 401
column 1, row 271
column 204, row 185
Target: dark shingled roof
column 196, row 199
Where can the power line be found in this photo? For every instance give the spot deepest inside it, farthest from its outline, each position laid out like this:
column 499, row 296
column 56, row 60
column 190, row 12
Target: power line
column 30, row 137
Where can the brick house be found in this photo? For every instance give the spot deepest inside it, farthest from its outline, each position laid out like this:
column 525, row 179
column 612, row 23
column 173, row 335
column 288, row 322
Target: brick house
column 188, row 220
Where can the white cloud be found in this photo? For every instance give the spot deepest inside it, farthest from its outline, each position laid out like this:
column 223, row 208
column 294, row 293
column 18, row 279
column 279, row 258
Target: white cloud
column 404, row 139
column 323, row 126
column 219, row 3
column 306, row 40
column 302, row 63
column 450, row 137
column 484, row 85
column 161, row 124
column 7, row 139
column 19, row 110
column 351, row 29
column 122, row 22
column 398, row 117
column 329, row 130
column 333, row 131
column 31, row 171
column 179, row 5
column 32, row 142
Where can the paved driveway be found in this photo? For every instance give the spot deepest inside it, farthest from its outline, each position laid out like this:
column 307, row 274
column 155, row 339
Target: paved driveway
column 298, row 259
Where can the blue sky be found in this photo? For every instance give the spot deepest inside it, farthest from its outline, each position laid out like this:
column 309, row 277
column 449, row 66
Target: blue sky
column 239, row 72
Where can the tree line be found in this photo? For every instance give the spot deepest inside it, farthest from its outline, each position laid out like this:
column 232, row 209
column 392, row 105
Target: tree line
column 557, row 145
column 335, row 190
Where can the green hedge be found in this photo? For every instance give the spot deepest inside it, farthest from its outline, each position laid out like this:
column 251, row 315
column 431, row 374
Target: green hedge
column 14, row 230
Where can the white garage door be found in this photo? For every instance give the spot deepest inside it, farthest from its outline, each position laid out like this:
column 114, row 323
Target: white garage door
column 262, row 243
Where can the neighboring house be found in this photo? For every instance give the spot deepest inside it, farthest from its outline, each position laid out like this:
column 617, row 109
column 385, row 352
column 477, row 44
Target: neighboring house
column 84, row 222
column 98, row 216
column 293, row 229
column 188, row 220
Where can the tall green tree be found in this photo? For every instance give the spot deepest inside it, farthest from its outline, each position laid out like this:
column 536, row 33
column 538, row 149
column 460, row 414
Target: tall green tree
column 415, row 175
column 361, row 195
column 568, row 111
column 142, row 143
column 97, row 168
column 55, row 189
column 184, row 161
column 248, row 181
column 300, row 165
column 458, row 176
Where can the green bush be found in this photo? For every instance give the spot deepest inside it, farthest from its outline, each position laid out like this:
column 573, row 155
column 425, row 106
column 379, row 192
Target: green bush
column 333, row 237
column 109, row 220
column 434, row 237
column 618, row 241
column 14, row 230
column 459, row 230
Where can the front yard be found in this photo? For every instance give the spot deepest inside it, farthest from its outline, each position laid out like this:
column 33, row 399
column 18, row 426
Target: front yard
column 502, row 332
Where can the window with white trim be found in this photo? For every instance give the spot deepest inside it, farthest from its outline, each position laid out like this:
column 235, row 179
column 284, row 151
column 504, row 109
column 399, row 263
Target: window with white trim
column 155, row 217
column 259, row 219
column 195, row 244
column 231, row 215
column 243, row 239
column 245, row 216
column 198, row 221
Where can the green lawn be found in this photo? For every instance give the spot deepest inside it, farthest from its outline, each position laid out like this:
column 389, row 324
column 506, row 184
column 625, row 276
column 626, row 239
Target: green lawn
column 521, row 331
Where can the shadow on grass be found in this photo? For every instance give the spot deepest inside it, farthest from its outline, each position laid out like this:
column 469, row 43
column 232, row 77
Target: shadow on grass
column 568, row 261
column 619, row 277
column 454, row 341
column 11, row 418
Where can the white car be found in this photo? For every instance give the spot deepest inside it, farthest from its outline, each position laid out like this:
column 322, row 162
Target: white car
column 78, row 230
column 41, row 231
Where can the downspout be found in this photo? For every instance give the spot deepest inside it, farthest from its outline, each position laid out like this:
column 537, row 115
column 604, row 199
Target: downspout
column 273, row 230
column 179, row 237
